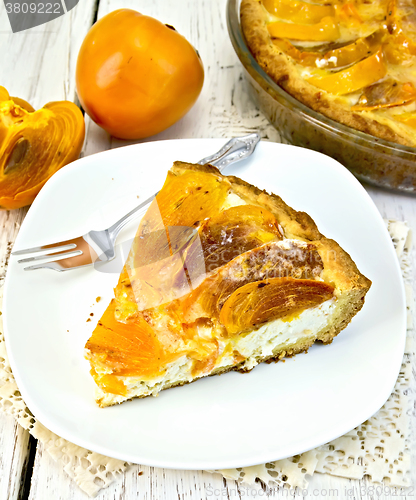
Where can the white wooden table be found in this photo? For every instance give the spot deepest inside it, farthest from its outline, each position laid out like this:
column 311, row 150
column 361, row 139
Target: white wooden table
column 39, row 66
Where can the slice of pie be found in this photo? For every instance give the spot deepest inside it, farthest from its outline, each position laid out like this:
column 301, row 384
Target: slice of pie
column 354, row 62
column 221, row 276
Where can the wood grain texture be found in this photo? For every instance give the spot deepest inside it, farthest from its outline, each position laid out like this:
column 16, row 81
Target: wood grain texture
column 10, row 222
column 39, row 66
column 14, row 446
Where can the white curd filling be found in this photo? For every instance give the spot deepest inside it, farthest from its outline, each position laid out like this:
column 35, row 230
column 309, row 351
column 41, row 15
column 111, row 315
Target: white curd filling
column 232, row 200
column 279, row 334
column 255, row 345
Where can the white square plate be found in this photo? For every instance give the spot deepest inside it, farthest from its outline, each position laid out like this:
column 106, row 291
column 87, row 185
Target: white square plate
column 277, row 410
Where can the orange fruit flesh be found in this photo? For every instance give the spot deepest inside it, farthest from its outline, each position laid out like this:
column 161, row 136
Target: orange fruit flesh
column 34, row 145
column 268, row 261
column 129, row 349
column 235, row 231
column 262, row 301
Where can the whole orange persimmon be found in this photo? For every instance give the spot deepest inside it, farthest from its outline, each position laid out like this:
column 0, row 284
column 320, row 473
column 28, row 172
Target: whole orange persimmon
column 135, row 75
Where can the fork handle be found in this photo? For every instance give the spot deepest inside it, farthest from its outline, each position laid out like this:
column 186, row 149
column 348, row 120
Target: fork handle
column 140, row 209
column 234, row 150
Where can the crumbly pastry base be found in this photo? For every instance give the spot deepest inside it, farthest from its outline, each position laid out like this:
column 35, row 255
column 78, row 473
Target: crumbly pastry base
column 284, row 72
column 378, row 449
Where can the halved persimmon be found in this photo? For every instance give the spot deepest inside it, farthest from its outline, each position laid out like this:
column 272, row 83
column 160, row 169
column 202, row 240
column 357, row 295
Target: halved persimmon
column 34, row 145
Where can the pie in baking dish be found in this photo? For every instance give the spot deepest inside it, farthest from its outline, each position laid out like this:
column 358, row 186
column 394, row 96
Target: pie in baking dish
column 353, row 61
column 221, row 276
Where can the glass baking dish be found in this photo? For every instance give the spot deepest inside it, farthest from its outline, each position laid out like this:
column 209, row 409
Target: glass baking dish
column 370, row 159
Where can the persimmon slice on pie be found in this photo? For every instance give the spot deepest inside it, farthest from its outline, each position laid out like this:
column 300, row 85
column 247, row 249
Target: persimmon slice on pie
column 221, row 276
column 354, row 62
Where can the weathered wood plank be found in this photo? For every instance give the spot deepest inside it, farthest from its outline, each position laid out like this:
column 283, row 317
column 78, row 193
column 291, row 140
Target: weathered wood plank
column 14, row 456
column 10, row 222
column 139, row 482
column 39, row 64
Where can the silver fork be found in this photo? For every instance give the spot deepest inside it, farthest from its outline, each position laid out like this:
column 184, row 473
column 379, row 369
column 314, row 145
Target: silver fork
column 99, row 246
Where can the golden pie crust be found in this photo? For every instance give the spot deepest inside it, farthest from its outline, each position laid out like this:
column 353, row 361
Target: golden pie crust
column 293, row 77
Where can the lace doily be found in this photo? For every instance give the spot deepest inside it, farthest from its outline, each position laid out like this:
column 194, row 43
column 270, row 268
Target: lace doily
column 379, row 448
